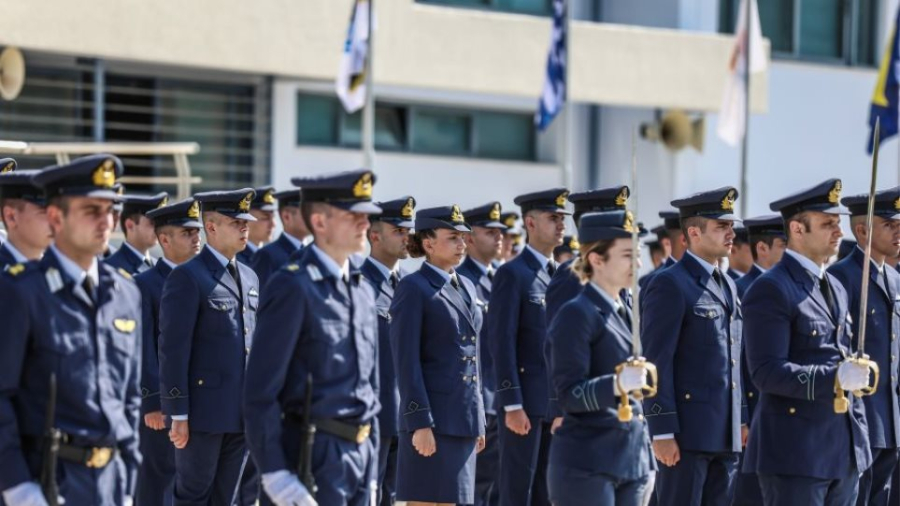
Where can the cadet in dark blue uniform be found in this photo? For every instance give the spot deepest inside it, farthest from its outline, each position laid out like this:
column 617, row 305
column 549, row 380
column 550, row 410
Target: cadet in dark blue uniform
column 388, row 238
column 691, row 330
column 798, row 333
column 591, row 336
column 767, row 243
column 75, row 318
column 318, row 320
column 274, row 255
column 178, row 230
column 567, row 251
column 675, row 236
column 883, row 325
column 741, row 258
column 206, row 319
column 263, row 210
column 434, row 340
column 23, row 210
column 484, row 246
column 133, row 255
column 517, row 333
column 565, row 284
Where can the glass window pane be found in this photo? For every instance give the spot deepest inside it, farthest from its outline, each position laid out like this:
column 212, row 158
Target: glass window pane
column 524, row 6
column 460, row 3
column 316, row 120
column 441, row 133
column 821, row 28
column 866, row 32
column 390, row 128
column 777, row 19
column 727, row 15
column 506, row 136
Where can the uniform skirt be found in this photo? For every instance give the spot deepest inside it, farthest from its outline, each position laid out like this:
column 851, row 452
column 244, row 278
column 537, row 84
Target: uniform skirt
column 448, row 476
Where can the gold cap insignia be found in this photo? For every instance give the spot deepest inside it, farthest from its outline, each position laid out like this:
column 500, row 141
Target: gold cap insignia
column 510, row 221
column 622, row 197
column 164, row 202
column 363, row 188
column 105, row 175
column 629, row 222
column 407, row 210
column 574, row 244
column 194, row 211
column 728, row 201
column 457, row 216
column 897, row 204
column 494, row 215
column 561, row 199
column 9, row 167
column 269, row 197
column 123, row 325
column 244, row 204
column 834, row 196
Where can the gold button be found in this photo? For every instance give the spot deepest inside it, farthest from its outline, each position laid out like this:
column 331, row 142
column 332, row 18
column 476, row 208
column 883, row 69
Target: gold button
column 733, row 385
column 475, row 379
column 687, row 396
column 873, row 311
column 711, row 313
column 521, row 369
column 815, row 332
column 792, row 410
column 750, row 394
column 641, row 417
column 733, row 362
column 199, row 382
column 247, row 350
column 246, row 330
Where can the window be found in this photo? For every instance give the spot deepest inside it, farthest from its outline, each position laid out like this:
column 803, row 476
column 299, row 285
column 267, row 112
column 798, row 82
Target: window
column 837, row 31
column 322, row 121
column 538, row 7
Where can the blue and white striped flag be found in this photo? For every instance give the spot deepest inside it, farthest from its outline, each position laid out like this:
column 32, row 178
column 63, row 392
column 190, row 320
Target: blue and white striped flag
column 351, row 78
column 886, row 98
column 553, row 96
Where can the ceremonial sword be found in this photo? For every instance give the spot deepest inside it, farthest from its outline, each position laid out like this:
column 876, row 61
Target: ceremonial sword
column 841, row 403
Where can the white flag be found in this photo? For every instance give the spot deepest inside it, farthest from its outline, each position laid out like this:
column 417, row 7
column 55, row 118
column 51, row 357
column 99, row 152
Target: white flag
column 351, row 79
column 732, row 114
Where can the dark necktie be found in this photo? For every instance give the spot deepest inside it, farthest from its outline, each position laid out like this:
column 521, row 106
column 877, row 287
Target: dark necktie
column 717, row 275
column 232, row 269
column 454, row 281
column 825, row 288
column 394, row 280
column 88, row 286
column 551, row 268
column 147, row 262
column 622, row 311
column 490, row 273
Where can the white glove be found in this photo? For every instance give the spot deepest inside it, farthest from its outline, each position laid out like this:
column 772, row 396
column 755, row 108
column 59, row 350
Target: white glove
column 284, row 489
column 24, row 494
column 853, row 376
column 631, row 378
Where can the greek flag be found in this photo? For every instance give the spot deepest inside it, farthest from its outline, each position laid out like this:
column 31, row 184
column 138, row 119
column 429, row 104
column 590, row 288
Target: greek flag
column 886, row 99
column 351, row 79
column 733, row 113
column 553, row 96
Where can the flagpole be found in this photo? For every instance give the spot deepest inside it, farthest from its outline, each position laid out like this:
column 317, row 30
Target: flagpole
column 747, row 29
column 368, row 119
column 568, row 120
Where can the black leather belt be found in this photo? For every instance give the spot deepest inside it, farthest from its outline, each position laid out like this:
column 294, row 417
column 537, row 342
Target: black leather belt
column 352, row 432
column 94, row 457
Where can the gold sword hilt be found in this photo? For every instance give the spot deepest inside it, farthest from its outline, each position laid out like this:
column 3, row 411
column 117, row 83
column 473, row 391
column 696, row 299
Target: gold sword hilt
column 647, row 392
column 841, row 403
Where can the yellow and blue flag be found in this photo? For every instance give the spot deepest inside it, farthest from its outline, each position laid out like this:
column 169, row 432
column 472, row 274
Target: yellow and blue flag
column 553, row 96
column 886, row 99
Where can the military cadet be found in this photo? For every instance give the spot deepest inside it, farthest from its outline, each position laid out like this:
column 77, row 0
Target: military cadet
column 592, row 337
column 318, row 322
column 116, row 214
column 388, row 238
column 512, row 236
column 263, row 209
column 24, row 214
column 516, row 333
column 483, row 249
column 567, row 251
column 677, row 244
column 207, row 315
column 767, row 243
column 75, row 321
column 294, row 236
column 434, row 341
column 741, row 258
column 133, row 255
column 798, row 334
column 883, row 322
column 691, row 330
column 178, row 230
column 565, row 285
column 660, row 249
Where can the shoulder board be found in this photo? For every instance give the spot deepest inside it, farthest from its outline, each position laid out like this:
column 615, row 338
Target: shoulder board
column 15, row 270
column 54, row 280
column 314, row 273
column 125, row 274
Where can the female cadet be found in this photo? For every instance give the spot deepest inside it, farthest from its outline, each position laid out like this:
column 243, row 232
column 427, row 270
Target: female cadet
column 596, row 459
column 435, row 320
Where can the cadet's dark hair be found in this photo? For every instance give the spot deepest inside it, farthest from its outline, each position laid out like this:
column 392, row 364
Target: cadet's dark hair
column 655, row 246
column 133, row 216
column 769, row 240
column 582, row 267
column 802, row 218
column 60, row 201
column 692, row 221
column 415, row 247
column 307, row 209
